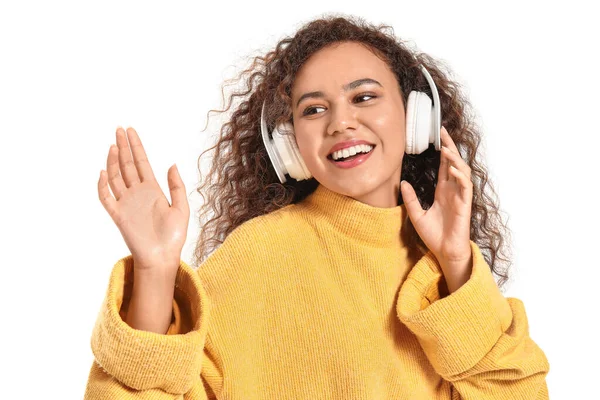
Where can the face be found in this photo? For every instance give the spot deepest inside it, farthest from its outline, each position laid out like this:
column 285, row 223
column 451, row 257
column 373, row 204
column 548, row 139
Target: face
column 343, row 95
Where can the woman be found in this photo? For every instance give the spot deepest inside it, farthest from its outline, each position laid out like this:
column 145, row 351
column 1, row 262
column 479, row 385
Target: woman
column 321, row 276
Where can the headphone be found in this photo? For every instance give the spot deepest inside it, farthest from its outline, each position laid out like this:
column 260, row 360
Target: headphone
column 422, row 128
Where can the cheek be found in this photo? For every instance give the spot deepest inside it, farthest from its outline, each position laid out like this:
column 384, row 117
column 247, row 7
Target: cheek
column 306, row 145
column 308, row 136
column 391, row 129
column 390, row 116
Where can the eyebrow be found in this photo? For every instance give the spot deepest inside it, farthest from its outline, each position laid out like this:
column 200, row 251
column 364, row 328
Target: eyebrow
column 349, row 86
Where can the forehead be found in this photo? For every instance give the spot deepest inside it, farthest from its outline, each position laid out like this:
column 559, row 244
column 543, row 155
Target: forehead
column 340, row 63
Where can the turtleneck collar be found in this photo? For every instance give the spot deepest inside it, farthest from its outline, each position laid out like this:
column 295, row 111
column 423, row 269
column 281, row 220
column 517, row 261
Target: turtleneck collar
column 375, row 225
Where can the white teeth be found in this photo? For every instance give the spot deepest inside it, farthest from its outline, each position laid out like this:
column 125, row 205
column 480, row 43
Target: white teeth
column 350, row 151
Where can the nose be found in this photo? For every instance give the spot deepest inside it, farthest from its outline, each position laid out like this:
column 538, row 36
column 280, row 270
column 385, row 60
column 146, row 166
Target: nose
column 343, row 117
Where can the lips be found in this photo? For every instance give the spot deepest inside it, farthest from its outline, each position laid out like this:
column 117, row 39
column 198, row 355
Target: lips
column 346, row 144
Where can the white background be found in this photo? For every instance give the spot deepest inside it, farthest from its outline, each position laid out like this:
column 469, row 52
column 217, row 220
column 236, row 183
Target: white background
column 71, row 72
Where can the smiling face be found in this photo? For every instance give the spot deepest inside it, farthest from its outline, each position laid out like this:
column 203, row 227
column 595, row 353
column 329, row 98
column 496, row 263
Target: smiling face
column 342, row 94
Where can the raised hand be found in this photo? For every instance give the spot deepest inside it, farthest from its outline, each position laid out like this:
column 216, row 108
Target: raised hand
column 153, row 230
column 445, row 226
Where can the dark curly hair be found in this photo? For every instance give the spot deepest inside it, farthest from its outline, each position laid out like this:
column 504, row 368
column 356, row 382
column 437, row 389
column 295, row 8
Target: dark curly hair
column 242, row 183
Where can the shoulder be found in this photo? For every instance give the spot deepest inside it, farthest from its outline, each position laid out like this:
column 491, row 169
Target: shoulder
column 261, row 250
column 275, row 226
column 260, row 240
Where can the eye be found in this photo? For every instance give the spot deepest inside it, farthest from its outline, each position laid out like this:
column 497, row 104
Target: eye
column 309, row 110
column 362, row 96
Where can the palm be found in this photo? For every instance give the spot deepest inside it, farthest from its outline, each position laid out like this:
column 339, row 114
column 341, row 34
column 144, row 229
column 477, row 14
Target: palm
column 150, row 226
column 153, row 230
column 445, row 226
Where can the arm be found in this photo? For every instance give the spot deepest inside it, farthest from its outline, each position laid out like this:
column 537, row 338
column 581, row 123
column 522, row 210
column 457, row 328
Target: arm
column 131, row 363
column 475, row 337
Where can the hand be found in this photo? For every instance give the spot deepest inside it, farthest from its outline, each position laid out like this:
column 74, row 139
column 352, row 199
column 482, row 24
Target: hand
column 153, row 230
column 445, row 226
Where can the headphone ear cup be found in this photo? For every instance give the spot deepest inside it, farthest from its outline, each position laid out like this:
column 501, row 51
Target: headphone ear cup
column 286, row 146
column 283, row 150
column 418, row 122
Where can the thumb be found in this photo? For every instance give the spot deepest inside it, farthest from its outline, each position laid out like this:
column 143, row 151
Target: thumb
column 411, row 201
column 177, row 190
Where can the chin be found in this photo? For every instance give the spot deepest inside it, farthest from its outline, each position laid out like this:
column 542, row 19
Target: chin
column 355, row 189
column 364, row 187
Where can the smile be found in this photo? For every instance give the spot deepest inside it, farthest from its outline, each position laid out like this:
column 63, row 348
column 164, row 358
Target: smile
column 351, row 157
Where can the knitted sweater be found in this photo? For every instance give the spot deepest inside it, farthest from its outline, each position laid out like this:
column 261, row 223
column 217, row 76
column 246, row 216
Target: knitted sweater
column 320, row 300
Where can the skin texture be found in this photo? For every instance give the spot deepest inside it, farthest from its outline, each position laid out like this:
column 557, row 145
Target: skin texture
column 370, row 112
column 376, row 113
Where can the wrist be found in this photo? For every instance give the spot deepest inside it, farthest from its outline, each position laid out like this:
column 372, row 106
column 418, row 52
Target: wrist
column 456, row 272
column 155, row 271
column 159, row 282
column 150, row 306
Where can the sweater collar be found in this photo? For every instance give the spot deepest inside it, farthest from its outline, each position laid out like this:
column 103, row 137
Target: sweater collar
column 375, row 225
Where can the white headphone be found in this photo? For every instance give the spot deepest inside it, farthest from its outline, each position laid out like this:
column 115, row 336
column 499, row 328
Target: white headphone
column 422, row 128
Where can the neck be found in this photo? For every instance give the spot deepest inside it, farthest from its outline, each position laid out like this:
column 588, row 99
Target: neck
column 384, row 196
column 380, row 198
column 379, row 226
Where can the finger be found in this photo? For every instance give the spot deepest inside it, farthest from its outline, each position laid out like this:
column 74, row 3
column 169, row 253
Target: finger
column 128, row 171
column 456, row 160
column 114, row 175
column 140, row 158
column 177, row 190
column 107, row 200
column 447, row 140
column 444, row 165
column 464, row 182
column 413, row 207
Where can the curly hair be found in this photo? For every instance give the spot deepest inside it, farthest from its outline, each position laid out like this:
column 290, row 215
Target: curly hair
column 242, row 183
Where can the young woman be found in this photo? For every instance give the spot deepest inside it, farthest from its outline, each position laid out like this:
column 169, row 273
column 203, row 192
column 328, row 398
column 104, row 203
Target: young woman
column 350, row 252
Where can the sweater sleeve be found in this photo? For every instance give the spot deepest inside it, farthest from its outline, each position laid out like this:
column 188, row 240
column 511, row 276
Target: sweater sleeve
column 131, row 363
column 474, row 338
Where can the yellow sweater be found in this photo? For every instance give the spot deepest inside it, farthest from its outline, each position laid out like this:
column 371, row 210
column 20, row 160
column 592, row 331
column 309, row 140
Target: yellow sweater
column 320, row 300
